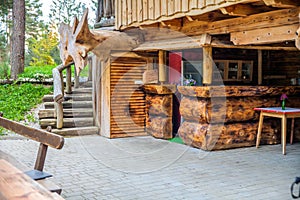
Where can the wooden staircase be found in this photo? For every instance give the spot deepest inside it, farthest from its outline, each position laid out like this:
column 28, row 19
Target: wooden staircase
column 78, row 113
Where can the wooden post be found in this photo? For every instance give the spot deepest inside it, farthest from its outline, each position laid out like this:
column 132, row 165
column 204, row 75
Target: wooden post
column 76, row 80
column 207, row 65
column 59, row 115
column 41, row 157
column 162, row 75
column 259, row 70
column 68, row 80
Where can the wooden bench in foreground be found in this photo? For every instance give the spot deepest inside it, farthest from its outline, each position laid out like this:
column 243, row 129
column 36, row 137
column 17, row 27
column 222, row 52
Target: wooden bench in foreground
column 46, row 139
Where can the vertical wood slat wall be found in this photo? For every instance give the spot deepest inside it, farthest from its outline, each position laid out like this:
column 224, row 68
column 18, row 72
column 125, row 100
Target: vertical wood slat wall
column 127, row 98
column 140, row 12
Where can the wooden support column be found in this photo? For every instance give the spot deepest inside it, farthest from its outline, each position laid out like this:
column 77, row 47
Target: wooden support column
column 162, row 74
column 68, row 80
column 259, row 70
column 207, row 65
column 59, row 114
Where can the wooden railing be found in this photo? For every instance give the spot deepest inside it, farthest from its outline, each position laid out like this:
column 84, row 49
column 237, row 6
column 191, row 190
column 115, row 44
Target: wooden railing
column 58, row 93
column 58, row 88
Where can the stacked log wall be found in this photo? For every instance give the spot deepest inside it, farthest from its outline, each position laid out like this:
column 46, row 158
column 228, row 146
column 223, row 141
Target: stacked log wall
column 213, row 122
column 159, row 111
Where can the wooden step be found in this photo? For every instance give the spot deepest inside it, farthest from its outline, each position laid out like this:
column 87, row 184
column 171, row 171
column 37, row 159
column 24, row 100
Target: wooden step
column 79, row 112
column 82, row 90
column 71, row 104
column 68, row 122
column 74, row 97
column 88, row 84
column 78, row 131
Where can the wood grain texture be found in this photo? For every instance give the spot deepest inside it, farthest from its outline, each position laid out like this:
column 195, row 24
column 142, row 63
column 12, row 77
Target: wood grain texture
column 15, row 185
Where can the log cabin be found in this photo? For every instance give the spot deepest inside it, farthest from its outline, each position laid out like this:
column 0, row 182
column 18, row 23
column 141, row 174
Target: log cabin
column 193, row 68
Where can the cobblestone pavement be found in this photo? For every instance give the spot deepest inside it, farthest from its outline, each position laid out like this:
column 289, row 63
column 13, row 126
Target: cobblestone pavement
column 93, row 167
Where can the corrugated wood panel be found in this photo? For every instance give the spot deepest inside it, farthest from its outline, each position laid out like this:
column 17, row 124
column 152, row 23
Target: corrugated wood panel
column 127, row 99
column 141, row 12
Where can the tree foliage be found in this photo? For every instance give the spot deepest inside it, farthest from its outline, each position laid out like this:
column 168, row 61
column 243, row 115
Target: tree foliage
column 42, row 48
column 65, row 10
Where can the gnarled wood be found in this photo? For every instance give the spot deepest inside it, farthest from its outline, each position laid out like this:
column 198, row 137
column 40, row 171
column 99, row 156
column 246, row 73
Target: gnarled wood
column 78, row 40
column 159, row 105
column 219, row 136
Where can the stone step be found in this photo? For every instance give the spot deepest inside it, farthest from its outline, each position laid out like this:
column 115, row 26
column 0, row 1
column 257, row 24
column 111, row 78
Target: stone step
column 71, row 104
column 68, row 122
column 68, row 113
column 74, row 97
column 78, row 131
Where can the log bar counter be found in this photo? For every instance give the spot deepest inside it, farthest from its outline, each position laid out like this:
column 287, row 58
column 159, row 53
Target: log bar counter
column 223, row 117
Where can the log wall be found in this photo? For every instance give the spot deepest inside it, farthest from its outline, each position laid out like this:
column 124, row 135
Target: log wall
column 223, row 117
column 159, row 110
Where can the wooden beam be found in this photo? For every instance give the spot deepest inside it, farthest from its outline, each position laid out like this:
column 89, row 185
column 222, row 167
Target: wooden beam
column 207, row 65
column 41, row 157
column 239, row 10
column 282, row 3
column 264, row 36
column 259, row 67
column 162, row 75
column 252, row 22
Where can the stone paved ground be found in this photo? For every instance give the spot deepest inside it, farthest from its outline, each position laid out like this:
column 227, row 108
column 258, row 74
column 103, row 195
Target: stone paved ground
column 93, row 167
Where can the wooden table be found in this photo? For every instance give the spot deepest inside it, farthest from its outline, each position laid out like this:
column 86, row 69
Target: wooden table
column 14, row 184
column 279, row 113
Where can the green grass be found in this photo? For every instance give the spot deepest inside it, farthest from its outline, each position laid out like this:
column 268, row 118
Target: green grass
column 41, row 73
column 16, row 100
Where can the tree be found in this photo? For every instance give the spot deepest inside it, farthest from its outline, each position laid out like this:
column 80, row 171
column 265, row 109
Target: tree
column 18, row 39
column 42, row 49
column 65, row 10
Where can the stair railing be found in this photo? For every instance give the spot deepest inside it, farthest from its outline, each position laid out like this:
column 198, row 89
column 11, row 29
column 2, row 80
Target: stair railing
column 58, row 91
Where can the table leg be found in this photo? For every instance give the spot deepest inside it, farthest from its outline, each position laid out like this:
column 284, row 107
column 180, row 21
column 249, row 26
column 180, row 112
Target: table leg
column 292, row 131
column 260, row 123
column 283, row 134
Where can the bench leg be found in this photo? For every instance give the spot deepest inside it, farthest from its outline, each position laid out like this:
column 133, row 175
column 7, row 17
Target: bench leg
column 260, row 123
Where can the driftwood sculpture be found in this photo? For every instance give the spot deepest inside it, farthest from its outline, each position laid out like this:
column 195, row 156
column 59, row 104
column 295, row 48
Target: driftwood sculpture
column 78, row 40
column 75, row 43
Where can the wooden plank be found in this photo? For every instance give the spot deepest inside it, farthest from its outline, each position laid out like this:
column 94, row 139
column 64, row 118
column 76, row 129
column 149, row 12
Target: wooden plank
column 185, row 6
column 256, row 21
column 266, row 35
column 38, row 135
column 90, row 130
column 15, row 184
column 68, row 122
column 178, row 6
column 145, row 10
column 140, row 10
column 124, row 12
column 129, row 11
column 134, row 10
column 164, row 8
column 157, row 10
column 171, row 7
column 193, row 4
column 151, row 8
column 282, row 3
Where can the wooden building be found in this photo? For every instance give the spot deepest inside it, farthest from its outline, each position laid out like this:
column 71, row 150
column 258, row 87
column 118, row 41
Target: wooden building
column 242, row 53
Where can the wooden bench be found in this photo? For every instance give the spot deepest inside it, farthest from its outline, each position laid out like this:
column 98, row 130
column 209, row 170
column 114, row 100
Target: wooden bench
column 46, row 138
column 14, row 184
